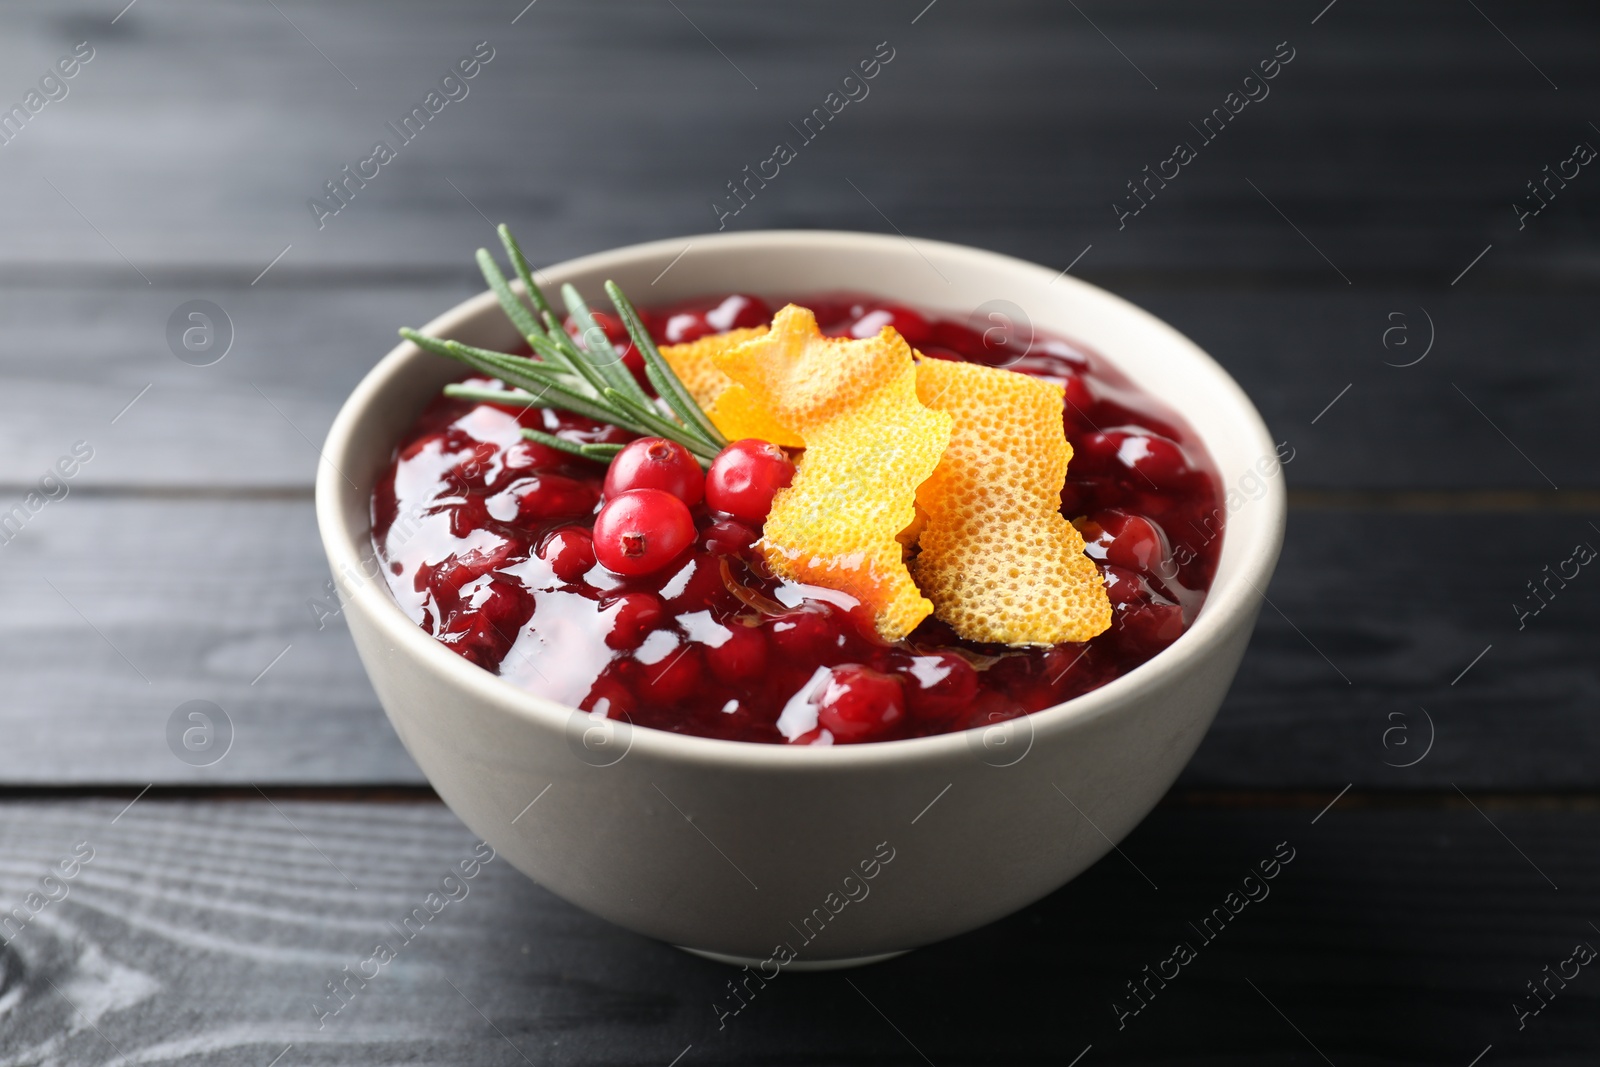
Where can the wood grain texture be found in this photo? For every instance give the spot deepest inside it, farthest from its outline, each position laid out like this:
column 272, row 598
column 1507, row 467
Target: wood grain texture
column 204, row 932
column 126, row 609
column 1396, row 141
column 157, row 602
column 255, row 420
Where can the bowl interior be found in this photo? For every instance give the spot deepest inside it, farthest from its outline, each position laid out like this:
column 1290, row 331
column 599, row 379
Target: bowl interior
column 948, row 279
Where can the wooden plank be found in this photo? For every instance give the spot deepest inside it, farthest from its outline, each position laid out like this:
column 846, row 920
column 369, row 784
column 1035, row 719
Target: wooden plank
column 200, row 596
column 255, row 419
column 1378, row 639
column 207, row 930
column 1397, row 140
column 121, row 611
column 1445, row 390
column 1493, row 404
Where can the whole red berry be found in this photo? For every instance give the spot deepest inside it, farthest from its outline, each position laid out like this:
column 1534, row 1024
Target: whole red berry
column 545, row 497
column 674, row 678
column 1124, row 586
column 632, row 616
column 1125, row 540
column 525, row 456
column 642, row 530
column 744, row 478
column 609, row 698
column 741, row 658
column 1150, row 626
column 907, row 323
column 569, row 551
column 939, row 687
column 695, row 585
column 1137, row 457
column 737, row 312
column 813, row 632
column 656, row 463
column 860, row 704
column 728, row 537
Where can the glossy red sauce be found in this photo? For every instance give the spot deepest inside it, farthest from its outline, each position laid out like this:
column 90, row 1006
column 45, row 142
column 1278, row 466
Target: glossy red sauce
column 486, row 543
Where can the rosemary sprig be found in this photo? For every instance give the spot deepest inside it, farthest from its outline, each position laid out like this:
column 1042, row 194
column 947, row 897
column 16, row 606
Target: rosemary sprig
column 587, row 379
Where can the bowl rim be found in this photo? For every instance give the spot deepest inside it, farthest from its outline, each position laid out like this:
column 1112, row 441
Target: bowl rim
column 1224, row 604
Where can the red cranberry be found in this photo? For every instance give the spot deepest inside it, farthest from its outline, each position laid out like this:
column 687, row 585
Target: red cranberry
column 1153, row 460
column 453, row 573
column 741, row 658
column 694, row 586
column 808, row 634
column 547, row 497
column 1077, row 397
column 907, row 323
column 738, row 312
column 1065, row 667
column 1131, row 541
column 939, row 688
column 817, row 735
column 1124, row 586
column 1150, row 627
column 477, row 467
column 485, row 627
column 956, row 337
column 570, row 552
column 744, row 478
column 532, row 456
column 728, row 537
column 642, row 530
column 686, row 326
column 860, row 704
column 633, row 616
column 608, row 698
column 506, row 605
column 475, row 640
column 674, row 678
column 656, row 463
column 467, row 516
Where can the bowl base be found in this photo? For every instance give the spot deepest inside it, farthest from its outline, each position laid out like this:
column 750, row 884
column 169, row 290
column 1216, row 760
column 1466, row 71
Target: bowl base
column 794, row 965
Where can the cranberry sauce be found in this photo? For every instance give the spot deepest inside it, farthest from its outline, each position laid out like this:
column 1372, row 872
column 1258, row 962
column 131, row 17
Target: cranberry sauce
column 489, row 545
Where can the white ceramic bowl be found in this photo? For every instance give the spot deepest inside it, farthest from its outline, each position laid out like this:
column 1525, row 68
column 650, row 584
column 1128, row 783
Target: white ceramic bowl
column 841, row 854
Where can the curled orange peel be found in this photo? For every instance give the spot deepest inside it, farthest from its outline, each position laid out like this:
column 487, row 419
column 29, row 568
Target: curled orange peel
column 727, row 404
column 996, row 557
column 869, row 442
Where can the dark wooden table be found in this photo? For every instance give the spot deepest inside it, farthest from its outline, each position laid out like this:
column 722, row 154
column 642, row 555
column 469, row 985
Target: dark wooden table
column 1359, row 247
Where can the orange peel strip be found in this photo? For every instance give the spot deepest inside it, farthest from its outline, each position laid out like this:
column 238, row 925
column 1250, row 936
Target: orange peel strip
column 869, row 444
column 728, row 405
column 996, row 557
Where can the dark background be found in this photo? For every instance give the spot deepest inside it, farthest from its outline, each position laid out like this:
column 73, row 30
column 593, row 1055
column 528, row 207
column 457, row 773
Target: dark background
column 1373, row 188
